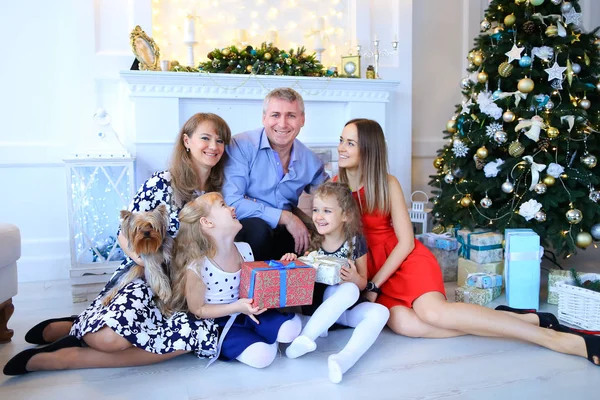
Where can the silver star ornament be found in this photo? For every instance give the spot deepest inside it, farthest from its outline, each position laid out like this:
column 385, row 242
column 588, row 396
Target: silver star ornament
column 572, row 17
column 556, row 72
column 514, row 53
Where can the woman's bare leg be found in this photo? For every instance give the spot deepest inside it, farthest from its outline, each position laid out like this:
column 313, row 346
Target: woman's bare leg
column 78, row 358
column 406, row 322
column 106, row 340
column 433, row 309
column 56, row 330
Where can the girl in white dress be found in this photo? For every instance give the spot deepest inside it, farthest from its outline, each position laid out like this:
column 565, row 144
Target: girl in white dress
column 206, row 274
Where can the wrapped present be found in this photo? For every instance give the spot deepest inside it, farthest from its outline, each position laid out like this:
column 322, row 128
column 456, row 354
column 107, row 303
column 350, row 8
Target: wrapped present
column 484, row 280
column 328, row 267
column 469, row 294
column 276, row 284
column 522, row 264
column 466, row 267
column 481, row 246
column 443, row 241
column 556, row 275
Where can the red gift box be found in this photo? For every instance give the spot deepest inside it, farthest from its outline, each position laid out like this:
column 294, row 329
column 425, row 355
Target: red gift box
column 276, row 284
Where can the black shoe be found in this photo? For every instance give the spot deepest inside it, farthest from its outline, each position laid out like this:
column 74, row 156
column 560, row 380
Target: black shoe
column 592, row 342
column 16, row 365
column 547, row 320
column 35, row 334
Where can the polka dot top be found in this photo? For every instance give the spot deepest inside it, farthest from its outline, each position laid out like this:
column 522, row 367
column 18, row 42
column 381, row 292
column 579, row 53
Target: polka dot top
column 222, row 287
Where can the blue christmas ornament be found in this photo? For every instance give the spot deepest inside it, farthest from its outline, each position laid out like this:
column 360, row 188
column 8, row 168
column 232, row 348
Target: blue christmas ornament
column 496, row 94
column 253, row 52
column 525, row 61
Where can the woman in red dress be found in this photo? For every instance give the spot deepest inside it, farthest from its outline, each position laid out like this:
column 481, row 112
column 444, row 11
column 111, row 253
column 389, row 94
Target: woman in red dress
column 405, row 277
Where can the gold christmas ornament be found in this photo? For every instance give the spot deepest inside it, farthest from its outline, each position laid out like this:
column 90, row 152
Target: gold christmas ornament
column 505, row 69
column 525, row 85
column 574, row 216
column 482, row 77
column 552, row 31
column 585, row 103
column 516, row 149
column 438, row 229
column 564, row 176
column 552, row 132
column 438, row 162
column 267, row 56
column 508, row 116
column 482, row 152
column 583, row 240
column 471, row 56
column 589, row 160
column 549, row 180
column 249, row 68
column 288, row 61
column 478, row 59
column 225, row 51
column 466, row 201
column 510, row 20
column 451, row 126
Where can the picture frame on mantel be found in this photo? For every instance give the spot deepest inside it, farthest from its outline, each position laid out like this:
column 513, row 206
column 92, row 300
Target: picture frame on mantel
column 145, row 50
column 351, row 66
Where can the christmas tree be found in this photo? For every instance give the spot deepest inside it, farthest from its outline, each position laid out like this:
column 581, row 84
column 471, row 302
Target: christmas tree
column 523, row 144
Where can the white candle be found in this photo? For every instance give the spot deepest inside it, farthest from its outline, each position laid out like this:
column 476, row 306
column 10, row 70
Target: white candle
column 272, row 37
column 243, row 36
column 375, row 37
column 189, row 29
column 320, row 24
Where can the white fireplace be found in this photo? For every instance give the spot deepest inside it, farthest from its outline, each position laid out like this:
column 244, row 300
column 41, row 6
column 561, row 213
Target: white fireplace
column 162, row 101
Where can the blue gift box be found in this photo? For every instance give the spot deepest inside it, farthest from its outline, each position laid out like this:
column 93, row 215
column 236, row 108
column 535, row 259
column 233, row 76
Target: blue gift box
column 522, row 261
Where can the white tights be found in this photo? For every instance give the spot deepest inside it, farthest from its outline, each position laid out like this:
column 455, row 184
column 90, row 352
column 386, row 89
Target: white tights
column 368, row 319
column 261, row 354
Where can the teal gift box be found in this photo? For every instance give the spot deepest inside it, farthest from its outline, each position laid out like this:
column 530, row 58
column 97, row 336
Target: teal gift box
column 480, row 246
column 522, row 260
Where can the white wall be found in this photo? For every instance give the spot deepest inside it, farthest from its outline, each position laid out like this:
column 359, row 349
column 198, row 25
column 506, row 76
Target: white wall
column 61, row 60
column 444, row 31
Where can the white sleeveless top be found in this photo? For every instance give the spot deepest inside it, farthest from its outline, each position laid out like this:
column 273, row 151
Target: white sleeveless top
column 222, row 287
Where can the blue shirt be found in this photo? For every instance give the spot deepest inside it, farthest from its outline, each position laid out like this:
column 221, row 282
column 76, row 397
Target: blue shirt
column 255, row 183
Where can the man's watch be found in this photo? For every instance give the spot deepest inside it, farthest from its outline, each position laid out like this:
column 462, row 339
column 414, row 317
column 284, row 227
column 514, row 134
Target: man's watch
column 371, row 287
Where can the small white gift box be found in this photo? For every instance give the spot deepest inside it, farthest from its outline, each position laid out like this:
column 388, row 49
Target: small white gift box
column 328, row 267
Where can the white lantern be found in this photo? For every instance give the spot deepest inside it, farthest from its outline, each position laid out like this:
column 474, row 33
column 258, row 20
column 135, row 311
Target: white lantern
column 419, row 215
column 99, row 183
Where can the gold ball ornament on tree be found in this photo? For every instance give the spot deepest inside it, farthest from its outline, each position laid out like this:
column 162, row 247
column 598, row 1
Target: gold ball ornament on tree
column 516, row 149
column 451, row 126
column 438, row 162
column 471, row 55
column 466, row 201
column 510, row 20
column 508, row 116
column 505, row 69
column 225, row 51
column 482, row 152
column 574, row 216
column 549, row 180
column 589, row 160
column 564, row 176
column 551, row 31
column 525, row 85
column 267, row 56
column 478, row 59
column 552, row 132
column 482, row 77
column 248, row 68
column 540, row 216
column 583, row 240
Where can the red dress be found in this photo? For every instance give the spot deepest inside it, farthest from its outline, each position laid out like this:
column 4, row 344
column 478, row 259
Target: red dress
column 418, row 274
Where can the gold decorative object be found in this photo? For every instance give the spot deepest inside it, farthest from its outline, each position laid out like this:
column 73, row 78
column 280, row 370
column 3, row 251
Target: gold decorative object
column 525, row 85
column 552, row 31
column 564, row 176
column 482, row 152
column 589, row 160
column 583, row 240
column 516, row 149
column 482, row 77
column 370, row 72
column 549, row 180
column 508, row 116
column 466, row 201
column 451, row 126
column 267, row 56
column 145, row 50
column 574, row 216
column 552, row 132
column 505, row 69
column 438, row 229
column 510, row 20
column 478, row 59
column 438, row 162
column 351, row 65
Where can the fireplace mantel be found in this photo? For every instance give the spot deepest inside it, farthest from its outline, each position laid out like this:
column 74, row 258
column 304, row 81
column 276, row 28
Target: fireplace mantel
column 162, row 101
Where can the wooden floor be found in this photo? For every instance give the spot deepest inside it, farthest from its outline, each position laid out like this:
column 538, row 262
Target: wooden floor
column 395, row 368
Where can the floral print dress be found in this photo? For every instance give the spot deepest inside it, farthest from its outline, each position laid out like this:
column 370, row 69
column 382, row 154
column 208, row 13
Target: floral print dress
column 133, row 314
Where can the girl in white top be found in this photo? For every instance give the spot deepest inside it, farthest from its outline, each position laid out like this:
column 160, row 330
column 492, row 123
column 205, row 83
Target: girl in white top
column 206, row 268
column 337, row 220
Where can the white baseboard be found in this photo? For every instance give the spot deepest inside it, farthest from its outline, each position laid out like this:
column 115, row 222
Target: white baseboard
column 43, row 268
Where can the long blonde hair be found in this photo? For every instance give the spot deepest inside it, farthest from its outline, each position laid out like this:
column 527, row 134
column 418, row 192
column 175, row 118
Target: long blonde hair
column 372, row 166
column 191, row 246
column 183, row 174
column 343, row 195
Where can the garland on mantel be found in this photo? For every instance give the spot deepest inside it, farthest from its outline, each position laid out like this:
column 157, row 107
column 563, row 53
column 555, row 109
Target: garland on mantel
column 264, row 60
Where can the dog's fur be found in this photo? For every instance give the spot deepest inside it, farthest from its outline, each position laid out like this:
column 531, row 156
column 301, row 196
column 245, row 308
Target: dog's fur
column 147, row 235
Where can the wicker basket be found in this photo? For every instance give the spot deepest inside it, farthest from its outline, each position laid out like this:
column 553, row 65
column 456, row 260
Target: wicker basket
column 578, row 306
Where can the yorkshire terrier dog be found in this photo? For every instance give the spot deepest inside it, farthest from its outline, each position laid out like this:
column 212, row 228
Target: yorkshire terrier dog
column 148, row 237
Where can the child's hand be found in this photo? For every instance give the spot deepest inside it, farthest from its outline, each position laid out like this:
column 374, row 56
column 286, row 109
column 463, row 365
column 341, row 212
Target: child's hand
column 289, row 257
column 245, row 307
column 350, row 273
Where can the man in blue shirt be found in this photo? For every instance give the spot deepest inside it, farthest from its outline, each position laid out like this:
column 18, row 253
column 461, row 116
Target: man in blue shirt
column 266, row 171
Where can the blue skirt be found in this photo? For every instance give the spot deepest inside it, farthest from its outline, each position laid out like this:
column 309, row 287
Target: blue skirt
column 245, row 332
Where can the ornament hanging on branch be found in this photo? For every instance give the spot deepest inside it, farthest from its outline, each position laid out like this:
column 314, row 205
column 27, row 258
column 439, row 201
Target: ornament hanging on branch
column 535, row 125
